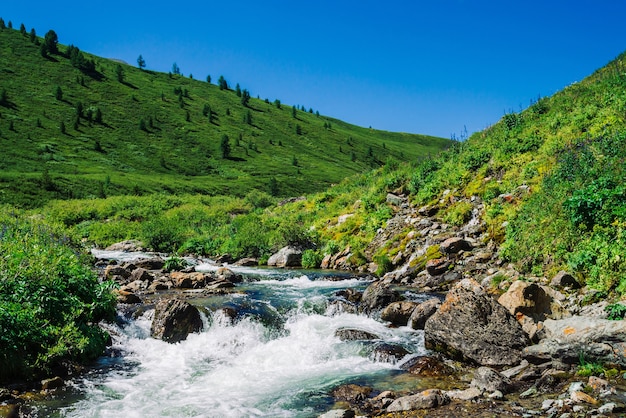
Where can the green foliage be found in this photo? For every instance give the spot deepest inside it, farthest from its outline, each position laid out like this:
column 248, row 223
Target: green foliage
column 162, row 234
column 586, row 368
column 458, row 213
column 50, row 300
column 311, row 259
column 175, row 263
column 384, row 264
column 615, row 311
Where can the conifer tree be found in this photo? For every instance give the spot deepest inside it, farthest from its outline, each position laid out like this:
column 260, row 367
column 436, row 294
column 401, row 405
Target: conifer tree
column 221, row 82
column 208, row 79
column 119, row 73
column 225, row 146
column 33, row 35
column 51, row 41
column 293, row 111
column 238, row 90
column 2, row 24
column 245, row 97
column 58, row 94
column 141, row 63
column 23, row 29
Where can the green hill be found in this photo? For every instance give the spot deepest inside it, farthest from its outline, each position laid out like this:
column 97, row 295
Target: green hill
column 73, row 125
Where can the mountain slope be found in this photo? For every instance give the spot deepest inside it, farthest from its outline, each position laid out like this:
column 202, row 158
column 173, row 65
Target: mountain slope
column 72, row 132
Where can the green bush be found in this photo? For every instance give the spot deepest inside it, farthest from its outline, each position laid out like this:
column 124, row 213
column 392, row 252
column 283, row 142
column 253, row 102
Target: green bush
column 161, row 234
column 615, row 311
column 50, row 301
column 311, row 259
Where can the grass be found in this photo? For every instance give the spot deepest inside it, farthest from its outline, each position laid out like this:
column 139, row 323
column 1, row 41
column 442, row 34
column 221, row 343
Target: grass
column 161, row 133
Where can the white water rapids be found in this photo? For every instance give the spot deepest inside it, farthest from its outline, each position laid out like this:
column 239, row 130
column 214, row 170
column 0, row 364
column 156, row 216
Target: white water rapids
column 243, row 368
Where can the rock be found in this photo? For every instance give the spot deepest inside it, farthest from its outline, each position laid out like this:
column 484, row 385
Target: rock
column 598, row 384
column 141, row 274
column 194, row 280
column 428, row 210
column 596, row 339
column 247, row 262
column 223, row 273
column 533, row 300
column 286, row 257
column 426, row 366
column 351, row 334
column 343, row 218
column 154, row 263
column 52, row 383
column 351, row 393
column 470, row 394
column 378, row 295
column 455, row 245
column 422, row 312
column 608, row 408
column 220, row 284
column 126, row 246
column 388, row 353
column 350, row 294
column 398, row 313
column 224, row 259
column 564, row 279
column 126, row 296
column 338, row 413
column 175, row 319
column 430, row 398
column 437, row 266
column 395, row 200
column 515, row 371
column 489, row 380
column 496, row 395
column 582, row 397
column 471, row 325
column 115, row 272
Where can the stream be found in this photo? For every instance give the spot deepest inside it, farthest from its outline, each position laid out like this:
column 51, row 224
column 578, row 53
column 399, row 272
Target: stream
column 280, row 357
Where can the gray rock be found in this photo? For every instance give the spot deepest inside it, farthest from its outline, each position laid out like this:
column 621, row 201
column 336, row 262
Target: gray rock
column 422, row 312
column 351, row 334
column 469, row 394
column 471, row 325
column 389, row 353
column 154, row 263
column 141, row 274
column 567, row 339
column 128, row 246
column 174, row 320
column 378, row 295
column 52, row 383
column 430, row 398
column 286, row 257
column 489, row 380
column 564, row 279
column 398, row 313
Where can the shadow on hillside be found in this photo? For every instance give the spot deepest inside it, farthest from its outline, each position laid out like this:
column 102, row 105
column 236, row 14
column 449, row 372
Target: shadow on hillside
column 132, row 86
column 235, row 159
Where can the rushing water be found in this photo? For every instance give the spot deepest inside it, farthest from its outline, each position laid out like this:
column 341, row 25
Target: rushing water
column 279, row 358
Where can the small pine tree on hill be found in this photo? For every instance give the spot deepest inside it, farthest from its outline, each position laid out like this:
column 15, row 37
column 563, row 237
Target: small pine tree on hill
column 225, row 146
column 141, row 63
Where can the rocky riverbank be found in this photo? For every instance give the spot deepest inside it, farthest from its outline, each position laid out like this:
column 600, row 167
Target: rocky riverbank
column 500, row 344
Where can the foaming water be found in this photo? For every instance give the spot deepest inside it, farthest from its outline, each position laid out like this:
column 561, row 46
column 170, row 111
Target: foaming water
column 279, row 358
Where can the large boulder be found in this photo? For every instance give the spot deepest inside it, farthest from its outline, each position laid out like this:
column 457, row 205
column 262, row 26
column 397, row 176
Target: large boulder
column 533, row 300
column 174, row 320
column 595, row 339
column 286, row 257
column 470, row 325
column 398, row 313
column 127, row 246
column 378, row 295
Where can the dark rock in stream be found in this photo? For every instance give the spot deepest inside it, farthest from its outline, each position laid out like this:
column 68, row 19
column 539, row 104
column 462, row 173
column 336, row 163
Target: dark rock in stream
column 471, row 325
column 398, row 313
column 378, row 295
column 174, row 320
column 388, row 352
column 351, row 334
column 422, row 312
column 427, row 366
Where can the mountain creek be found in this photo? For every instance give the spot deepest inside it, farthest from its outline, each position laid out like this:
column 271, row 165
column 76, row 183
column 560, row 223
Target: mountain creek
column 450, row 332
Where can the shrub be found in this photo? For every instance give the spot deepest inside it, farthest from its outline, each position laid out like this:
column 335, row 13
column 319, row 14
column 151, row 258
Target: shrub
column 458, row 213
column 175, row 263
column 162, row 234
column 615, row 311
column 311, row 259
column 50, row 301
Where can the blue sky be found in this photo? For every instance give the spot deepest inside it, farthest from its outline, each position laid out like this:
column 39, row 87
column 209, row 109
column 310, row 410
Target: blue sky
column 434, row 67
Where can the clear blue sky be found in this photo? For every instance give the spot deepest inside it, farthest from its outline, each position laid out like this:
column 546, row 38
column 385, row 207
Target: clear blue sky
column 430, row 67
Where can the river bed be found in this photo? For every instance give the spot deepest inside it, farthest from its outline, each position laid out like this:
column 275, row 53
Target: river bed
column 280, row 357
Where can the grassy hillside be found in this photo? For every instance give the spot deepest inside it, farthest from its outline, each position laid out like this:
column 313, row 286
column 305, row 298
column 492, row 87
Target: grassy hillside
column 68, row 130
